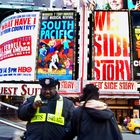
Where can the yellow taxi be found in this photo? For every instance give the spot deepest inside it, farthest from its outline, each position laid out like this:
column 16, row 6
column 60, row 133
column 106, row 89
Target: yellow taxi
column 134, row 125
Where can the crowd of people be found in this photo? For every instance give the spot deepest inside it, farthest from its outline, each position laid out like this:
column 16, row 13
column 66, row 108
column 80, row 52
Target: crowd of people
column 51, row 116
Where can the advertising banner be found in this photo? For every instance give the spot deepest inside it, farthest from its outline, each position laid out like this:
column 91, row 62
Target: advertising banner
column 111, row 46
column 135, row 15
column 56, row 45
column 19, row 33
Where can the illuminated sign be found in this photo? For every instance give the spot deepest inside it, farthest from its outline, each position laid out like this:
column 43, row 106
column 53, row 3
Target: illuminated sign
column 111, row 46
column 18, row 33
column 135, row 15
column 56, row 45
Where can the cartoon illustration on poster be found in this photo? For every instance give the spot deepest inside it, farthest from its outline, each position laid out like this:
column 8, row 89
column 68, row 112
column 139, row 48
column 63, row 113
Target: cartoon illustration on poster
column 111, row 46
column 56, row 46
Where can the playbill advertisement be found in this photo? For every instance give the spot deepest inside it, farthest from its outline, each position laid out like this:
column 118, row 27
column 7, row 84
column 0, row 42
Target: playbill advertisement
column 56, row 45
column 135, row 15
column 111, row 46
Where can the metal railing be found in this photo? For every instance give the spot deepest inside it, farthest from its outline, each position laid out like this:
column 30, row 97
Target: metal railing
column 8, row 105
column 10, row 123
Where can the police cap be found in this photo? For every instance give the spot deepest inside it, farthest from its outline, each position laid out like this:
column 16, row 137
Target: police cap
column 48, row 82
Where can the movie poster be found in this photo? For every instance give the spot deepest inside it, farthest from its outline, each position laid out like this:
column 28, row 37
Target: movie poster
column 56, row 46
column 135, row 16
column 111, row 46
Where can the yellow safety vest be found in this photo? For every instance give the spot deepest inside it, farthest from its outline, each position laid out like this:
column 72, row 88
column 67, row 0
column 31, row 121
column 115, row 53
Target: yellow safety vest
column 53, row 118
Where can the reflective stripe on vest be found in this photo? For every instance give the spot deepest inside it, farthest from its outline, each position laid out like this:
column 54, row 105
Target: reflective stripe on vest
column 54, row 118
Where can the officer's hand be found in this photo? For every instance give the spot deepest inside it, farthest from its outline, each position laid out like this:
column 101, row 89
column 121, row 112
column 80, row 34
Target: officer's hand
column 37, row 103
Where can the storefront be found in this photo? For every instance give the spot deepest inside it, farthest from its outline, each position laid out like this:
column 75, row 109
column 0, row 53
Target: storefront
column 136, row 110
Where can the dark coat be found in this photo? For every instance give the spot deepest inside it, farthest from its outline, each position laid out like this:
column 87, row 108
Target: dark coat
column 95, row 124
column 46, row 130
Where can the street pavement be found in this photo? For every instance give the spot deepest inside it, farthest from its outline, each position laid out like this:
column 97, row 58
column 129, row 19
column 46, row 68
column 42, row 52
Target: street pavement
column 129, row 136
column 10, row 133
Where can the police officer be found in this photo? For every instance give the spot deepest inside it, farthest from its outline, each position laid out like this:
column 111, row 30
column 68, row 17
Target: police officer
column 48, row 115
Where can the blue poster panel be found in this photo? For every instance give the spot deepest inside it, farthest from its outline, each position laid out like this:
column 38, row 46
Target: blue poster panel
column 56, row 45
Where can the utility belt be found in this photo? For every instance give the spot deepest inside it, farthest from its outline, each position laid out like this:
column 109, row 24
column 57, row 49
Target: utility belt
column 56, row 118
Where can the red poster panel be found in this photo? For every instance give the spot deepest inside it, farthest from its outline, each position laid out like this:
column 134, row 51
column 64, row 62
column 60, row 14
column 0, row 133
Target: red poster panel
column 111, row 46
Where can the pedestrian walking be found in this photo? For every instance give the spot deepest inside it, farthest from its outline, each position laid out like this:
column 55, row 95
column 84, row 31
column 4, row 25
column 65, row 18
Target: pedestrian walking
column 92, row 120
column 48, row 115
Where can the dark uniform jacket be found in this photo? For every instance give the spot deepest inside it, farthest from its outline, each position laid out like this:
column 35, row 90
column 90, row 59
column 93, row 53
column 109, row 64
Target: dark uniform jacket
column 95, row 123
column 46, row 130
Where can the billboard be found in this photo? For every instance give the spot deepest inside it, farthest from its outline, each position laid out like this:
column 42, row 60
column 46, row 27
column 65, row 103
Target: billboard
column 111, row 46
column 56, row 45
column 19, row 33
column 135, row 15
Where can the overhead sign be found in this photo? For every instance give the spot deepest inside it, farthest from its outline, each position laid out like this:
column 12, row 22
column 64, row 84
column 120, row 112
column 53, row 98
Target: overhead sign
column 115, row 86
column 73, row 87
column 24, row 89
